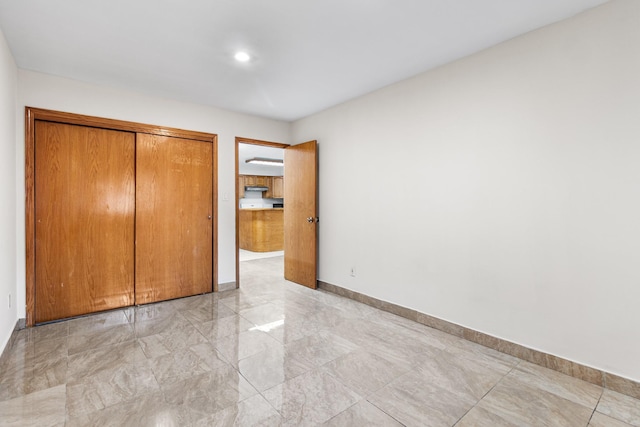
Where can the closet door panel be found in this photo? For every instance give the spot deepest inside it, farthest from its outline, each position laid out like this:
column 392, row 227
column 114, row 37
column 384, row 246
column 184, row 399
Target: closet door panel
column 84, row 220
column 174, row 202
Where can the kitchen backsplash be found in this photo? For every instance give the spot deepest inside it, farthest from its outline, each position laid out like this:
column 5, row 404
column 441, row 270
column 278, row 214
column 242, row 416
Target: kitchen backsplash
column 255, row 198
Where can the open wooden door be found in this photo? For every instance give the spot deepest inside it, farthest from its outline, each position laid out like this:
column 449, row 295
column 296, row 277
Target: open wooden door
column 301, row 214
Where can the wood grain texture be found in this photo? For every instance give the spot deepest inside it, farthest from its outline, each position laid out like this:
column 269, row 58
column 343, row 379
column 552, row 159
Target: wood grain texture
column 261, row 180
column 239, row 195
column 301, row 195
column 250, row 180
column 275, row 185
column 98, row 122
column 36, row 114
column 269, row 183
column 214, row 190
column 241, row 140
column 174, row 209
column 84, row 212
column 277, row 188
column 240, row 187
column 262, row 230
column 30, row 220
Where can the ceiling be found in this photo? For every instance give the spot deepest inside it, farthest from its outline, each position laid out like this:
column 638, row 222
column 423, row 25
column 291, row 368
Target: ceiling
column 307, row 55
column 249, row 151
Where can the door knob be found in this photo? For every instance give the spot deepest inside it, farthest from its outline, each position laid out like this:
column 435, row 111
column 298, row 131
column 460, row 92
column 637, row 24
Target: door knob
column 209, row 217
column 310, row 219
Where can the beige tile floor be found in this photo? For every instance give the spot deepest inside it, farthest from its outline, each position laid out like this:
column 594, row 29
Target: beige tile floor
column 245, row 255
column 275, row 353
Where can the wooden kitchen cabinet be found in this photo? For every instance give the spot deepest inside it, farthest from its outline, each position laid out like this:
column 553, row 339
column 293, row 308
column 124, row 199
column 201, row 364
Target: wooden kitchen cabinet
column 274, row 183
column 277, row 187
column 252, row 180
column 263, row 180
column 261, row 230
column 269, row 193
column 241, row 184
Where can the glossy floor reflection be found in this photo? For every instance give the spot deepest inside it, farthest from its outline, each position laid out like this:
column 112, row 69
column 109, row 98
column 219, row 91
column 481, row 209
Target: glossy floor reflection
column 275, row 353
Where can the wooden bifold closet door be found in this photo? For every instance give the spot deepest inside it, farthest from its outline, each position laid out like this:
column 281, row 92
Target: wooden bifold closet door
column 120, row 217
column 84, row 214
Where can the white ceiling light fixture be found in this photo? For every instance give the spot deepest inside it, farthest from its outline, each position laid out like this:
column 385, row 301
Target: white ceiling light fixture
column 242, row 56
column 265, row 161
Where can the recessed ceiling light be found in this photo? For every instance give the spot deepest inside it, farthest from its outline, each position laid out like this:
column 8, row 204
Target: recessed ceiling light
column 242, row 56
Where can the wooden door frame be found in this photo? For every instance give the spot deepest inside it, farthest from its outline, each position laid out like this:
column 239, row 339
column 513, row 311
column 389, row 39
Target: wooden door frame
column 241, row 140
column 31, row 115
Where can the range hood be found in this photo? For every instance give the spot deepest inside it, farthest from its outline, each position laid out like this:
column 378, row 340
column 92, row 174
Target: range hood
column 256, row 188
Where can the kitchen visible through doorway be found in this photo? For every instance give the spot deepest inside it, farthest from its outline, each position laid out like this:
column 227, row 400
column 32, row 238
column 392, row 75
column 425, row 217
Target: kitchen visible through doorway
column 260, row 209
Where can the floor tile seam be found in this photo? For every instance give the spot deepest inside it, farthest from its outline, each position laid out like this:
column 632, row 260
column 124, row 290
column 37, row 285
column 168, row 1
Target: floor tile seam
column 250, row 321
column 101, row 315
column 155, row 377
column 614, row 415
column 98, row 331
column 27, row 364
column 228, row 306
column 261, row 393
column 109, row 371
column 595, row 409
column 540, row 377
column 106, row 407
column 488, row 391
column 48, row 364
column 102, row 347
column 21, row 395
column 384, row 412
column 237, row 370
column 212, row 341
column 228, row 360
column 128, row 314
column 285, row 380
column 405, row 370
column 196, row 329
column 139, row 325
column 66, row 404
column 257, row 392
column 324, row 369
column 32, row 342
column 458, row 359
column 524, row 385
column 213, row 318
column 344, row 410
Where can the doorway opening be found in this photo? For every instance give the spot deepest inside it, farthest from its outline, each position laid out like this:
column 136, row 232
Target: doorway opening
column 259, row 209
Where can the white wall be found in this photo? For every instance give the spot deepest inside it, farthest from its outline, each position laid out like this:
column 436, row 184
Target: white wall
column 46, row 91
column 500, row 192
column 8, row 232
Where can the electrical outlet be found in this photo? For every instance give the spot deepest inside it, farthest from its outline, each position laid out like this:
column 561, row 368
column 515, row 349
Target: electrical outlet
column 9, row 300
column 353, row 272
